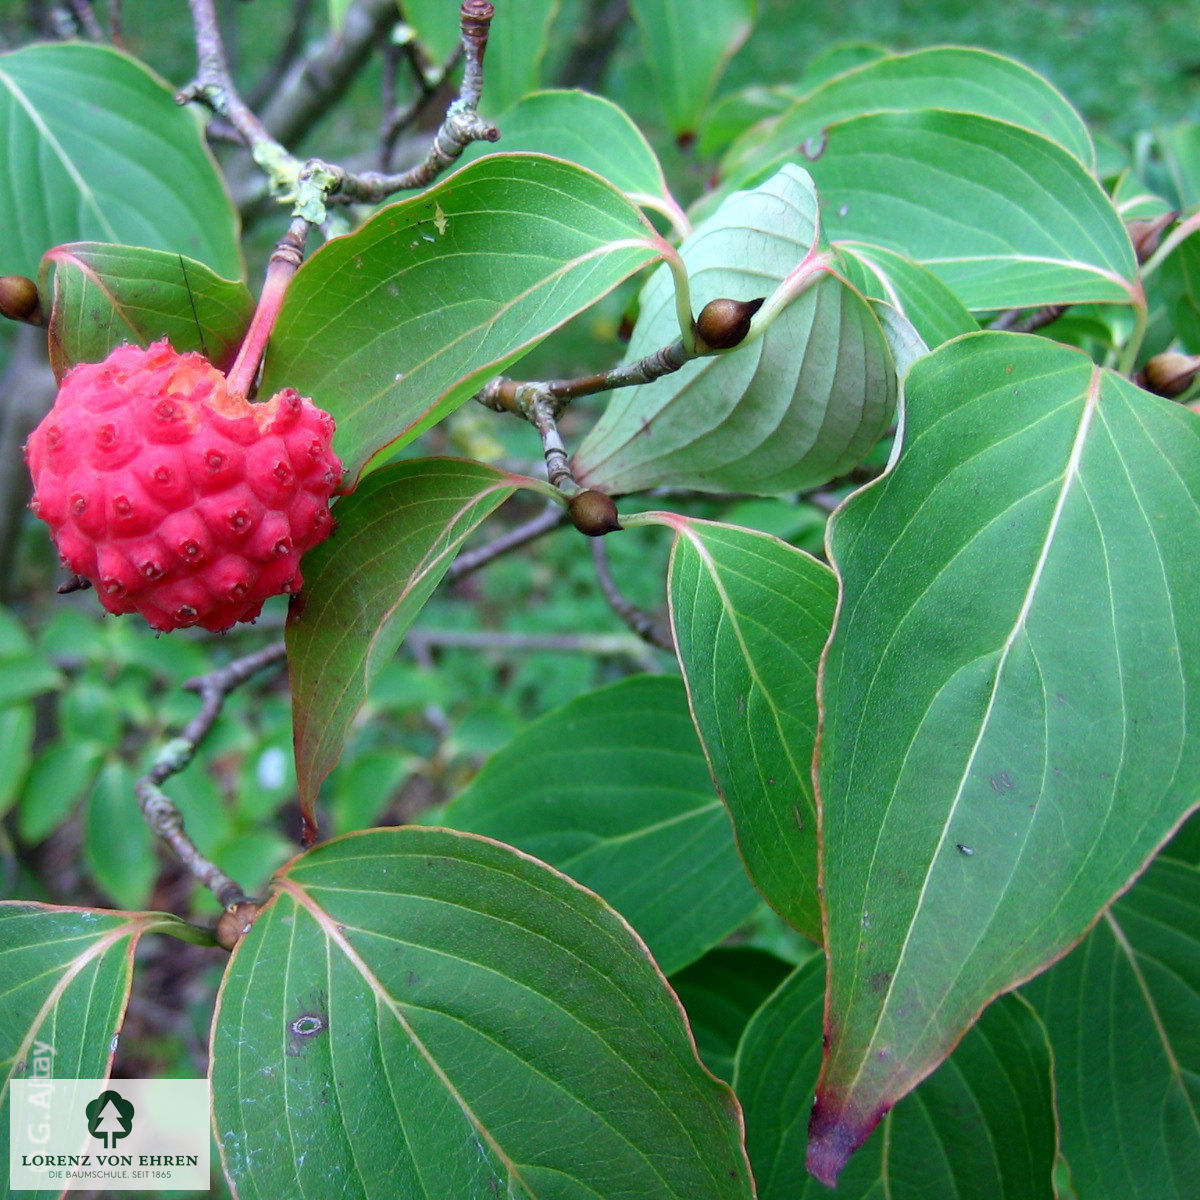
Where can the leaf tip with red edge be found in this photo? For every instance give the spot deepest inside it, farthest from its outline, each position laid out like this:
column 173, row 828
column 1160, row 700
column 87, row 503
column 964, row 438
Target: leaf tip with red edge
column 835, row 1131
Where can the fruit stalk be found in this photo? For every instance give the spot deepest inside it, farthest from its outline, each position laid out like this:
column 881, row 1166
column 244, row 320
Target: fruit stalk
column 285, row 261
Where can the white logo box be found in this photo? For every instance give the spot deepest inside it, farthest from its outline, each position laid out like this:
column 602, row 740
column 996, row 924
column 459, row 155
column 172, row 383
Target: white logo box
column 56, row 1143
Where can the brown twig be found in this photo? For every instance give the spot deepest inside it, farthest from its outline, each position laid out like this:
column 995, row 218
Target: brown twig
column 541, row 403
column 290, row 52
column 598, row 35
column 1013, row 320
column 644, row 624
column 462, row 124
column 160, row 813
column 115, row 33
column 305, row 95
column 552, row 517
column 85, row 18
column 214, row 87
column 607, row 645
column 509, row 395
column 26, row 392
column 398, row 118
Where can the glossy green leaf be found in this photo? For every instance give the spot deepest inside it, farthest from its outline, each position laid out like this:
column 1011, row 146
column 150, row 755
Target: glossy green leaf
column 935, row 311
column 613, row 790
column 498, row 1028
column 994, row 768
column 64, row 982
column 1003, row 216
column 97, row 149
column 790, row 410
column 954, row 78
column 16, row 736
column 980, row 1128
column 363, row 588
column 517, row 44
column 105, row 295
column 118, row 846
column 1123, row 1012
column 393, row 326
column 58, row 778
column 588, row 130
column 750, row 615
column 686, row 51
column 720, row 993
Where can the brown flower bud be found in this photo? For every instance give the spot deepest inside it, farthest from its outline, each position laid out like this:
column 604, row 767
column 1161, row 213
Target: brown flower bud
column 723, row 324
column 593, row 513
column 19, row 299
column 1169, row 374
column 235, row 923
column 1145, row 235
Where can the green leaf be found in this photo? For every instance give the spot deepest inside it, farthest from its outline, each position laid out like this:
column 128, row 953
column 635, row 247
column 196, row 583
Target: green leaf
column 391, row 328
column 935, row 311
column 952, row 78
column 981, row 1128
column 495, row 1026
column 16, row 736
column 1122, row 1012
column 60, row 775
column 268, row 776
column 14, row 641
column 97, row 149
column 993, row 767
column 520, row 34
column 1004, row 217
column 590, row 131
column 105, row 295
column 1134, row 200
column 88, row 710
column 750, row 616
column 437, row 25
column 364, row 787
column 337, row 12
column 687, row 49
column 1185, row 844
column 720, row 993
column 1179, row 279
column 733, row 114
column 613, row 790
column 835, row 60
column 1181, row 151
column 118, row 846
column 66, row 974
column 363, row 588
column 23, row 677
column 790, row 410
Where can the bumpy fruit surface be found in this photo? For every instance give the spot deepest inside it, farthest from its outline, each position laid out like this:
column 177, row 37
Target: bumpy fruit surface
column 177, row 498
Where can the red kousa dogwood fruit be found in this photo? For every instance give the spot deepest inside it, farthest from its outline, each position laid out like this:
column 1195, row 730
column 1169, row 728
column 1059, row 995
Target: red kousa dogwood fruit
column 177, row 498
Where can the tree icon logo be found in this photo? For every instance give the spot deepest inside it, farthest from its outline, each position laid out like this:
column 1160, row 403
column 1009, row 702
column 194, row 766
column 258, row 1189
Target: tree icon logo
column 110, row 1117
